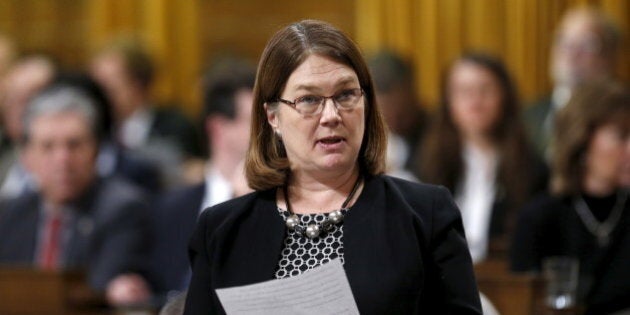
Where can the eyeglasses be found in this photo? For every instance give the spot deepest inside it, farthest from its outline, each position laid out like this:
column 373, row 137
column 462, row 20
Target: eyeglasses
column 312, row 105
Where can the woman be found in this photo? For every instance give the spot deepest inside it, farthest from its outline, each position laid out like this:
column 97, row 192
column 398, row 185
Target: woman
column 587, row 215
column 318, row 142
column 476, row 147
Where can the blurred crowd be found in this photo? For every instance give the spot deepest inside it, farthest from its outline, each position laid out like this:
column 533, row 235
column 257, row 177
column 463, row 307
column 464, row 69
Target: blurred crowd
column 95, row 175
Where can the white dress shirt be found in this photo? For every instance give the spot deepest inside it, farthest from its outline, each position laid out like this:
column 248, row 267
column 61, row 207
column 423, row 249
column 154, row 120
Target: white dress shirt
column 218, row 189
column 475, row 197
column 134, row 131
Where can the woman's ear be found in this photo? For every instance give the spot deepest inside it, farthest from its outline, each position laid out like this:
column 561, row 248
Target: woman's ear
column 272, row 116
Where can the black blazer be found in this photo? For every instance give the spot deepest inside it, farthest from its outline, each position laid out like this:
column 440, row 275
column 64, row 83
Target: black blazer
column 174, row 219
column 549, row 226
column 405, row 251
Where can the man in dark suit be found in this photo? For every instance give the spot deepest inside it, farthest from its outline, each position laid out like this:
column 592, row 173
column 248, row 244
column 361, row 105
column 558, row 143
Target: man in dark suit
column 227, row 112
column 163, row 135
column 584, row 49
column 75, row 219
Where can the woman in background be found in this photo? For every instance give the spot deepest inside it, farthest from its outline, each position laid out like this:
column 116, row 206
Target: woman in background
column 476, row 147
column 587, row 215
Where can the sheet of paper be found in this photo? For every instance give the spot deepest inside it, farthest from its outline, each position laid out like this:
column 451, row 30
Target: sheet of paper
column 323, row 290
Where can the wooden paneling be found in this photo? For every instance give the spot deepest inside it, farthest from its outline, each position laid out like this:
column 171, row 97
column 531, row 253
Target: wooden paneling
column 518, row 31
column 25, row 291
column 183, row 36
column 56, row 27
column 244, row 26
column 186, row 35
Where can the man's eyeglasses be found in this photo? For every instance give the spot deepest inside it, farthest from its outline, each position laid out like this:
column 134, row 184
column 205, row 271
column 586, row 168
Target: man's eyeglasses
column 312, row 105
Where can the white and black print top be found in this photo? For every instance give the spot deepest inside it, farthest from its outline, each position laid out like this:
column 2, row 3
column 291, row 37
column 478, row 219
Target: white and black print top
column 301, row 253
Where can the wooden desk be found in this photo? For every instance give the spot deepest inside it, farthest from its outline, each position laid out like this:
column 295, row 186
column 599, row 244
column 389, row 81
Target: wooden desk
column 26, row 291
column 511, row 294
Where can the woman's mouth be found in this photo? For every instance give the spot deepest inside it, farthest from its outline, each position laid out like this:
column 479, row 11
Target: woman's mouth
column 333, row 142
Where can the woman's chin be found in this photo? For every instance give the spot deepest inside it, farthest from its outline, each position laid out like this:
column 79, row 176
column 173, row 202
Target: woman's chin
column 336, row 164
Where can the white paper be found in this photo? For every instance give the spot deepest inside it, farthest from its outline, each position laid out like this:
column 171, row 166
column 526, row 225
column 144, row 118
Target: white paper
column 323, row 290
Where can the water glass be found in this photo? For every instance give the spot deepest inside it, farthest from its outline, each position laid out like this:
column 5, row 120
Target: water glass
column 561, row 276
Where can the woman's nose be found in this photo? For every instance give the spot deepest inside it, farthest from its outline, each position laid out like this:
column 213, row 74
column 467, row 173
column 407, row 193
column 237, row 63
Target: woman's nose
column 330, row 114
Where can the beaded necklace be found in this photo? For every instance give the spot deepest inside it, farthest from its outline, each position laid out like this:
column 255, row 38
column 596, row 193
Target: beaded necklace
column 314, row 230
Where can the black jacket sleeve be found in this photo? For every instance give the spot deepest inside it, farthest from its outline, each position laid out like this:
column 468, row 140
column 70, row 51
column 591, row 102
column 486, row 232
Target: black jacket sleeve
column 451, row 286
column 201, row 297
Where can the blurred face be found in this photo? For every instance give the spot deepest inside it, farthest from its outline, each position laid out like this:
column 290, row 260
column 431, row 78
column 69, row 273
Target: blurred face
column 61, row 154
column 330, row 141
column 109, row 71
column 397, row 107
column 606, row 155
column 475, row 99
column 19, row 86
column 577, row 52
column 232, row 135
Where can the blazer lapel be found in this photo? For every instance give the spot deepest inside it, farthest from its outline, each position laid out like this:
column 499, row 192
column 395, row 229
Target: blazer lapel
column 26, row 246
column 257, row 242
column 358, row 237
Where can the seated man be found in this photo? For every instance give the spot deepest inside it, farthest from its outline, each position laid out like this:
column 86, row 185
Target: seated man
column 227, row 104
column 75, row 220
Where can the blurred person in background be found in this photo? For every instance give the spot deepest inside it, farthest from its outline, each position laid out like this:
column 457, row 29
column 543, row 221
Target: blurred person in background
column 7, row 58
column 476, row 147
column 228, row 97
column 8, row 54
column 113, row 159
column 396, row 94
column 163, row 135
column 585, row 48
column 75, row 220
column 23, row 80
column 587, row 214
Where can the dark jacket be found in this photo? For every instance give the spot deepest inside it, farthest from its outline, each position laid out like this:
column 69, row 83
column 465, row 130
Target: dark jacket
column 405, row 251
column 174, row 219
column 550, row 226
column 534, row 117
column 110, row 231
column 172, row 125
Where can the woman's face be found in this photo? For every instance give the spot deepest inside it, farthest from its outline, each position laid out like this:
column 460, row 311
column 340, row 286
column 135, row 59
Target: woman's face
column 606, row 154
column 475, row 99
column 327, row 142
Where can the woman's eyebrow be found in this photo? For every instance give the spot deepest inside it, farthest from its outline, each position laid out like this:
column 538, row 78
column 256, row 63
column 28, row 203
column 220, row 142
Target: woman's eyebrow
column 313, row 87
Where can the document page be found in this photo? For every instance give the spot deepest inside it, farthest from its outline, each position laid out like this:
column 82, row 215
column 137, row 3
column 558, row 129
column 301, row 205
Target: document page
column 323, row 290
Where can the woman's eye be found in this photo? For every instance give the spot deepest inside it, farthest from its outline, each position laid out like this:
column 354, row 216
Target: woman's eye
column 345, row 95
column 309, row 100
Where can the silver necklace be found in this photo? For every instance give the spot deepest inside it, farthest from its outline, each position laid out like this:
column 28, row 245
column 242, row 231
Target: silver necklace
column 314, row 230
column 601, row 230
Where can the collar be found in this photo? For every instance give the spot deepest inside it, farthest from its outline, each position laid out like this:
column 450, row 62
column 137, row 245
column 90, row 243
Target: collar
column 217, row 189
column 560, row 97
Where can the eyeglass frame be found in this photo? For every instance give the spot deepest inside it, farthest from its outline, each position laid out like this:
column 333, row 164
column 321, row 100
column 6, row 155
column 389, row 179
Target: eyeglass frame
column 322, row 103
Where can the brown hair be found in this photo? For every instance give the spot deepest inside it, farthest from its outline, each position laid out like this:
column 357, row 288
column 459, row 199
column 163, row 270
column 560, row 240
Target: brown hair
column 592, row 105
column 266, row 164
column 607, row 32
column 441, row 161
column 135, row 57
